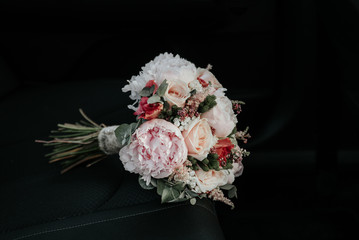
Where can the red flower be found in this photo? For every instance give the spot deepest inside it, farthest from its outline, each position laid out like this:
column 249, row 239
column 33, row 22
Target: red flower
column 150, row 83
column 148, row 111
column 223, row 148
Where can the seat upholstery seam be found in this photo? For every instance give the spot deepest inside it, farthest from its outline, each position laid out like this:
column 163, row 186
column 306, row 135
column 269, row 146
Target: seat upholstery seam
column 106, row 220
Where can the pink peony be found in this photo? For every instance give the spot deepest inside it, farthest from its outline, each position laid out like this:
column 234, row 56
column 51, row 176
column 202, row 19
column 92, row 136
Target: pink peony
column 156, row 149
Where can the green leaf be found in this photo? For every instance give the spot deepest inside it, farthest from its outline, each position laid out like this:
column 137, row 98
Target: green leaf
column 203, row 166
column 169, row 194
column 124, row 132
column 179, row 186
column 160, row 186
column 154, row 182
column 195, row 167
column 228, row 187
column 154, row 99
column 143, row 184
column 214, row 166
column 193, row 92
column 232, row 192
column 162, row 88
column 228, row 165
column 181, row 198
column 147, row 91
column 166, row 106
column 205, row 161
column 233, row 131
column 190, row 193
column 208, row 103
column 212, row 157
column 193, row 201
column 166, row 195
column 192, row 160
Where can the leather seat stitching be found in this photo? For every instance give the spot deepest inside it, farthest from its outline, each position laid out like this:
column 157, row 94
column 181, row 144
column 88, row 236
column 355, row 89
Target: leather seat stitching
column 106, row 220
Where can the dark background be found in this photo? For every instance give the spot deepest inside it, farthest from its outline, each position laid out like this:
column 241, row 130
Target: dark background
column 294, row 63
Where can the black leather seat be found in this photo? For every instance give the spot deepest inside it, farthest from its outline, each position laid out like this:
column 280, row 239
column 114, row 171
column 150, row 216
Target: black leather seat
column 280, row 57
column 101, row 202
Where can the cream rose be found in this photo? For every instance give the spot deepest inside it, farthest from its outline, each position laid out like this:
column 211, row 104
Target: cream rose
column 221, row 117
column 177, row 92
column 207, row 181
column 199, row 139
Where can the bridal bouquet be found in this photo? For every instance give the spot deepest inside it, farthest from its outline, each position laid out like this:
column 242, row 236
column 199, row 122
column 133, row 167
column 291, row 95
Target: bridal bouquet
column 184, row 142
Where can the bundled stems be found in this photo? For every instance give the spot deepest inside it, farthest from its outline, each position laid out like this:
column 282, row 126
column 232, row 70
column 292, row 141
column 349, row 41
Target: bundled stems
column 74, row 144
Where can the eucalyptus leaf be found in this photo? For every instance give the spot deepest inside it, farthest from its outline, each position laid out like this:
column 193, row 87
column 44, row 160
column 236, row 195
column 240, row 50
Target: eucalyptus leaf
column 166, row 106
column 232, row 192
column 154, row 182
column 193, row 201
column 228, row 187
column 123, row 134
column 133, row 127
column 144, row 185
column 154, row 99
column 179, row 186
column 160, row 186
column 169, row 194
column 178, row 200
column 181, row 198
column 190, row 193
column 182, row 195
column 145, row 92
column 203, row 195
column 166, row 195
column 233, row 132
column 162, row 89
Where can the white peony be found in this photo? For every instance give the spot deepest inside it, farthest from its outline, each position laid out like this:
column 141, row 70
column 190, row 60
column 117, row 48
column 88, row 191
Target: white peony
column 164, row 66
column 221, row 117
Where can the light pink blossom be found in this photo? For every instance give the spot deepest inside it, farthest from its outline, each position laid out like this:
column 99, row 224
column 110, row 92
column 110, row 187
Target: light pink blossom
column 221, row 117
column 205, row 77
column 157, row 148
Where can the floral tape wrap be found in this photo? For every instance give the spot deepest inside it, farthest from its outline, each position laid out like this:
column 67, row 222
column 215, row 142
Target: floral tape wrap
column 108, row 142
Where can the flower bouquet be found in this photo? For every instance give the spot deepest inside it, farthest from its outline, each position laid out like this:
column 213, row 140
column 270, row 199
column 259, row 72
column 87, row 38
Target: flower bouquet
column 184, row 142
